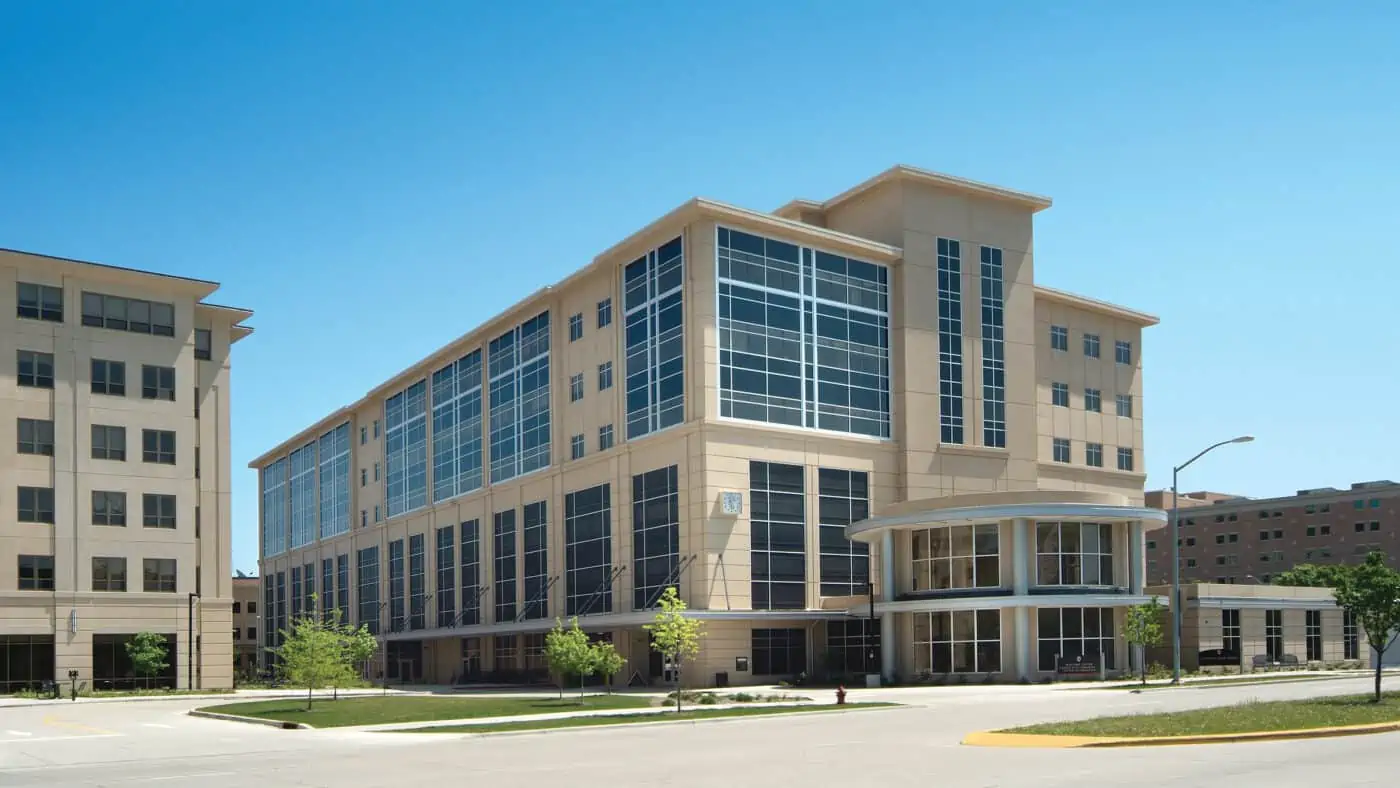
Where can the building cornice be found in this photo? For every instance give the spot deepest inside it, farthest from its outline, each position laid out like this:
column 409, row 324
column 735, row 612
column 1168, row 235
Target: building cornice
column 1096, row 306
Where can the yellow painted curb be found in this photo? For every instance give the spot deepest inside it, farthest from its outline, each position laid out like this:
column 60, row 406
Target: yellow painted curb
column 996, row 739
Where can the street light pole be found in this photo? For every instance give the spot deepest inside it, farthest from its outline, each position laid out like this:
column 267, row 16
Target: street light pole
column 1176, row 554
column 190, row 638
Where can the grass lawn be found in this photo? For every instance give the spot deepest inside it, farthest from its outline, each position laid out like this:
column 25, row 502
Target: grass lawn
column 623, row 719
column 400, row 708
column 1243, row 718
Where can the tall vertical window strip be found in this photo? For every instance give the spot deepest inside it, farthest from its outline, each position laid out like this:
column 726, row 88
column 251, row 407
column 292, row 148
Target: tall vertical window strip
column 342, row 587
column 303, row 492
column 503, row 557
column 652, row 287
column 308, row 590
column 993, row 350
column 296, row 593
column 280, row 613
column 334, row 450
column 396, row 597
column 274, row 508
column 804, row 336
column 1230, row 631
column 367, row 592
column 417, row 583
column 1351, row 643
column 588, row 551
column 457, row 427
column 327, row 588
column 950, row 341
column 269, row 610
column 406, row 449
column 518, row 366
column 446, row 576
column 777, row 536
column 656, row 528
column 844, row 498
column 536, row 536
column 471, row 573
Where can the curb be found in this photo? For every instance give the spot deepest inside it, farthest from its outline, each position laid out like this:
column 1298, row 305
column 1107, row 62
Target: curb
column 995, row 739
column 286, row 726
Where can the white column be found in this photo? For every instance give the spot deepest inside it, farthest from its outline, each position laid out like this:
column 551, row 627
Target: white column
column 889, row 650
column 1023, row 644
column 1022, row 553
column 1135, row 557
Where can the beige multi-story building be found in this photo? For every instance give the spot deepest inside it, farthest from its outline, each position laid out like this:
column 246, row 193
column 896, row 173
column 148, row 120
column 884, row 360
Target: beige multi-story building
column 778, row 414
column 1233, row 539
column 247, row 621
column 114, row 472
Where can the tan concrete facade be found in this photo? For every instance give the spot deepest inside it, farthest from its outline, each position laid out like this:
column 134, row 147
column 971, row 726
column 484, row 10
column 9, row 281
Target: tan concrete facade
column 247, row 623
column 893, row 222
column 49, row 597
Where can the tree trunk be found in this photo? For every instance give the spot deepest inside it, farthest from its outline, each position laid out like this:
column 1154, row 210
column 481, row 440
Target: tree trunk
column 678, row 689
column 308, row 696
column 1379, row 668
column 581, row 679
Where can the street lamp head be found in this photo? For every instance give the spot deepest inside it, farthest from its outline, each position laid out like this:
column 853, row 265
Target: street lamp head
column 1243, row 439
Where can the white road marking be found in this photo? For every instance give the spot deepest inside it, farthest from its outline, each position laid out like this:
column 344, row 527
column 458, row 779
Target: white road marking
column 156, row 725
column 187, row 776
column 20, row 733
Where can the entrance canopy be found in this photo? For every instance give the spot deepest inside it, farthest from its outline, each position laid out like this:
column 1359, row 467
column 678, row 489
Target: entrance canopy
column 1100, row 507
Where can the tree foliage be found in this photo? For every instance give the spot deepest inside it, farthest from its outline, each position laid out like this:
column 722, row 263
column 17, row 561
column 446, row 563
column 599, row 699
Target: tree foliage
column 674, row 635
column 1371, row 592
column 607, row 661
column 569, row 654
column 149, row 654
column 320, row 652
column 1311, row 575
column 1143, row 628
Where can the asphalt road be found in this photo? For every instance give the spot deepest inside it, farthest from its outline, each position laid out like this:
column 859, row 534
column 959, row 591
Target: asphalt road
column 155, row 742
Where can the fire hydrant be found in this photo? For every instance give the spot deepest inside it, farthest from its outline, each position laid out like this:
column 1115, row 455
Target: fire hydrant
column 841, row 695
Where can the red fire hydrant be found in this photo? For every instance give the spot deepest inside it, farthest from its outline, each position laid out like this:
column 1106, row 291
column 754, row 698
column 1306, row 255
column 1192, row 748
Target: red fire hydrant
column 840, row 695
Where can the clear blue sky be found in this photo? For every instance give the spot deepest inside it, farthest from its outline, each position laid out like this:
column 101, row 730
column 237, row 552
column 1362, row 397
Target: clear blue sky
column 375, row 178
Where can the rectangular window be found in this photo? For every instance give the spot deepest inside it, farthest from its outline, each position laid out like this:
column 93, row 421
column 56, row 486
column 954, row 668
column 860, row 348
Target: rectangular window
column 520, row 417
column 1059, row 338
column 779, row 652
column 506, row 654
column 853, row 646
column 417, row 582
column 34, row 436
column 203, row 344
column 158, row 575
column 35, row 505
column 655, row 535
column 576, row 447
column 605, row 376
column 36, row 573
column 536, row 537
column 778, row 539
column 576, row 387
column 1313, row 634
column 364, row 435
column 376, row 429
column 1093, row 455
column 843, row 498
column 129, row 314
column 35, row 370
column 1125, row 459
column 328, row 589
column 269, row 606
column 40, row 302
column 302, row 487
column 1059, row 449
column 472, row 589
column 377, row 514
column 108, row 377
column 158, row 446
column 503, row 534
column 1074, row 554
column 1093, row 400
column 342, row 587
column 1351, row 643
column 993, row 350
column 605, row 312
column 588, row 551
column 273, row 483
column 157, row 382
column 957, row 556
column 1059, row 395
column 1091, row 345
column 950, row 341
column 446, row 576
column 279, row 615
column 457, row 452
column 108, row 508
column 1071, row 635
column 1123, row 352
column 367, row 592
column 1230, row 632
column 576, row 327
column 397, row 611
column 1125, row 405
column 296, row 594
column 108, row 442
column 157, row 511
column 605, row 437
column 333, row 456
column 653, row 321
column 406, row 449
column 1273, row 634
column 962, row 641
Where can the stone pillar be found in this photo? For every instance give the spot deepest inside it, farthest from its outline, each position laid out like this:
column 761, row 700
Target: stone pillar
column 1022, row 554
column 1135, row 558
column 889, row 649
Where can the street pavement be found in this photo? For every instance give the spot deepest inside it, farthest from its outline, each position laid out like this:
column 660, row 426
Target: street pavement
column 65, row 745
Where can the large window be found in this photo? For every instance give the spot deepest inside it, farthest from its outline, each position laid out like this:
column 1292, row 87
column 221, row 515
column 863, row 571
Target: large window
column 158, row 575
column 993, row 350
column 342, row 587
column 158, row 446
column 446, row 576
column 108, row 573
column 328, row 588
column 417, row 582
column 296, row 594
column 157, row 382
column 652, row 287
column 397, row 611
column 1313, row 634
column 35, row 436
column 108, row 442
column 1230, row 640
column 588, row 551
column 35, row 505
column 367, row 592
column 108, row 508
column 1273, row 634
column 853, row 645
column 957, row 556
column 40, row 302
column 274, row 508
column 406, row 449
column 950, row 341
column 303, row 491
column 518, row 365
column 471, row 573
column 36, row 573
column 779, row 652
column 158, row 511
column 655, row 535
column 128, row 314
column 1351, row 643
column 1075, row 634
column 777, row 536
column 844, row 498
column 34, row 369
column 959, row 641
column 334, row 453
column 1074, row 554
column 108, row 377
column 457, row 427
column 804, row 336
column 536, row 536
column 503, row 540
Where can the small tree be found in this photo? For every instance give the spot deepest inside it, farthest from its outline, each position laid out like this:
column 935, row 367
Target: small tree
column 1371, row 592
column 675, row 636
column 313, row 655
column 149, row 654
column 607, row 661
column 1143, row 628
column 569, row 654
column 360, row 646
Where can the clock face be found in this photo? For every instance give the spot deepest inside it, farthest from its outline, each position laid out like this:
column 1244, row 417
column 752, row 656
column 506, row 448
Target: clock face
column 732, row 503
